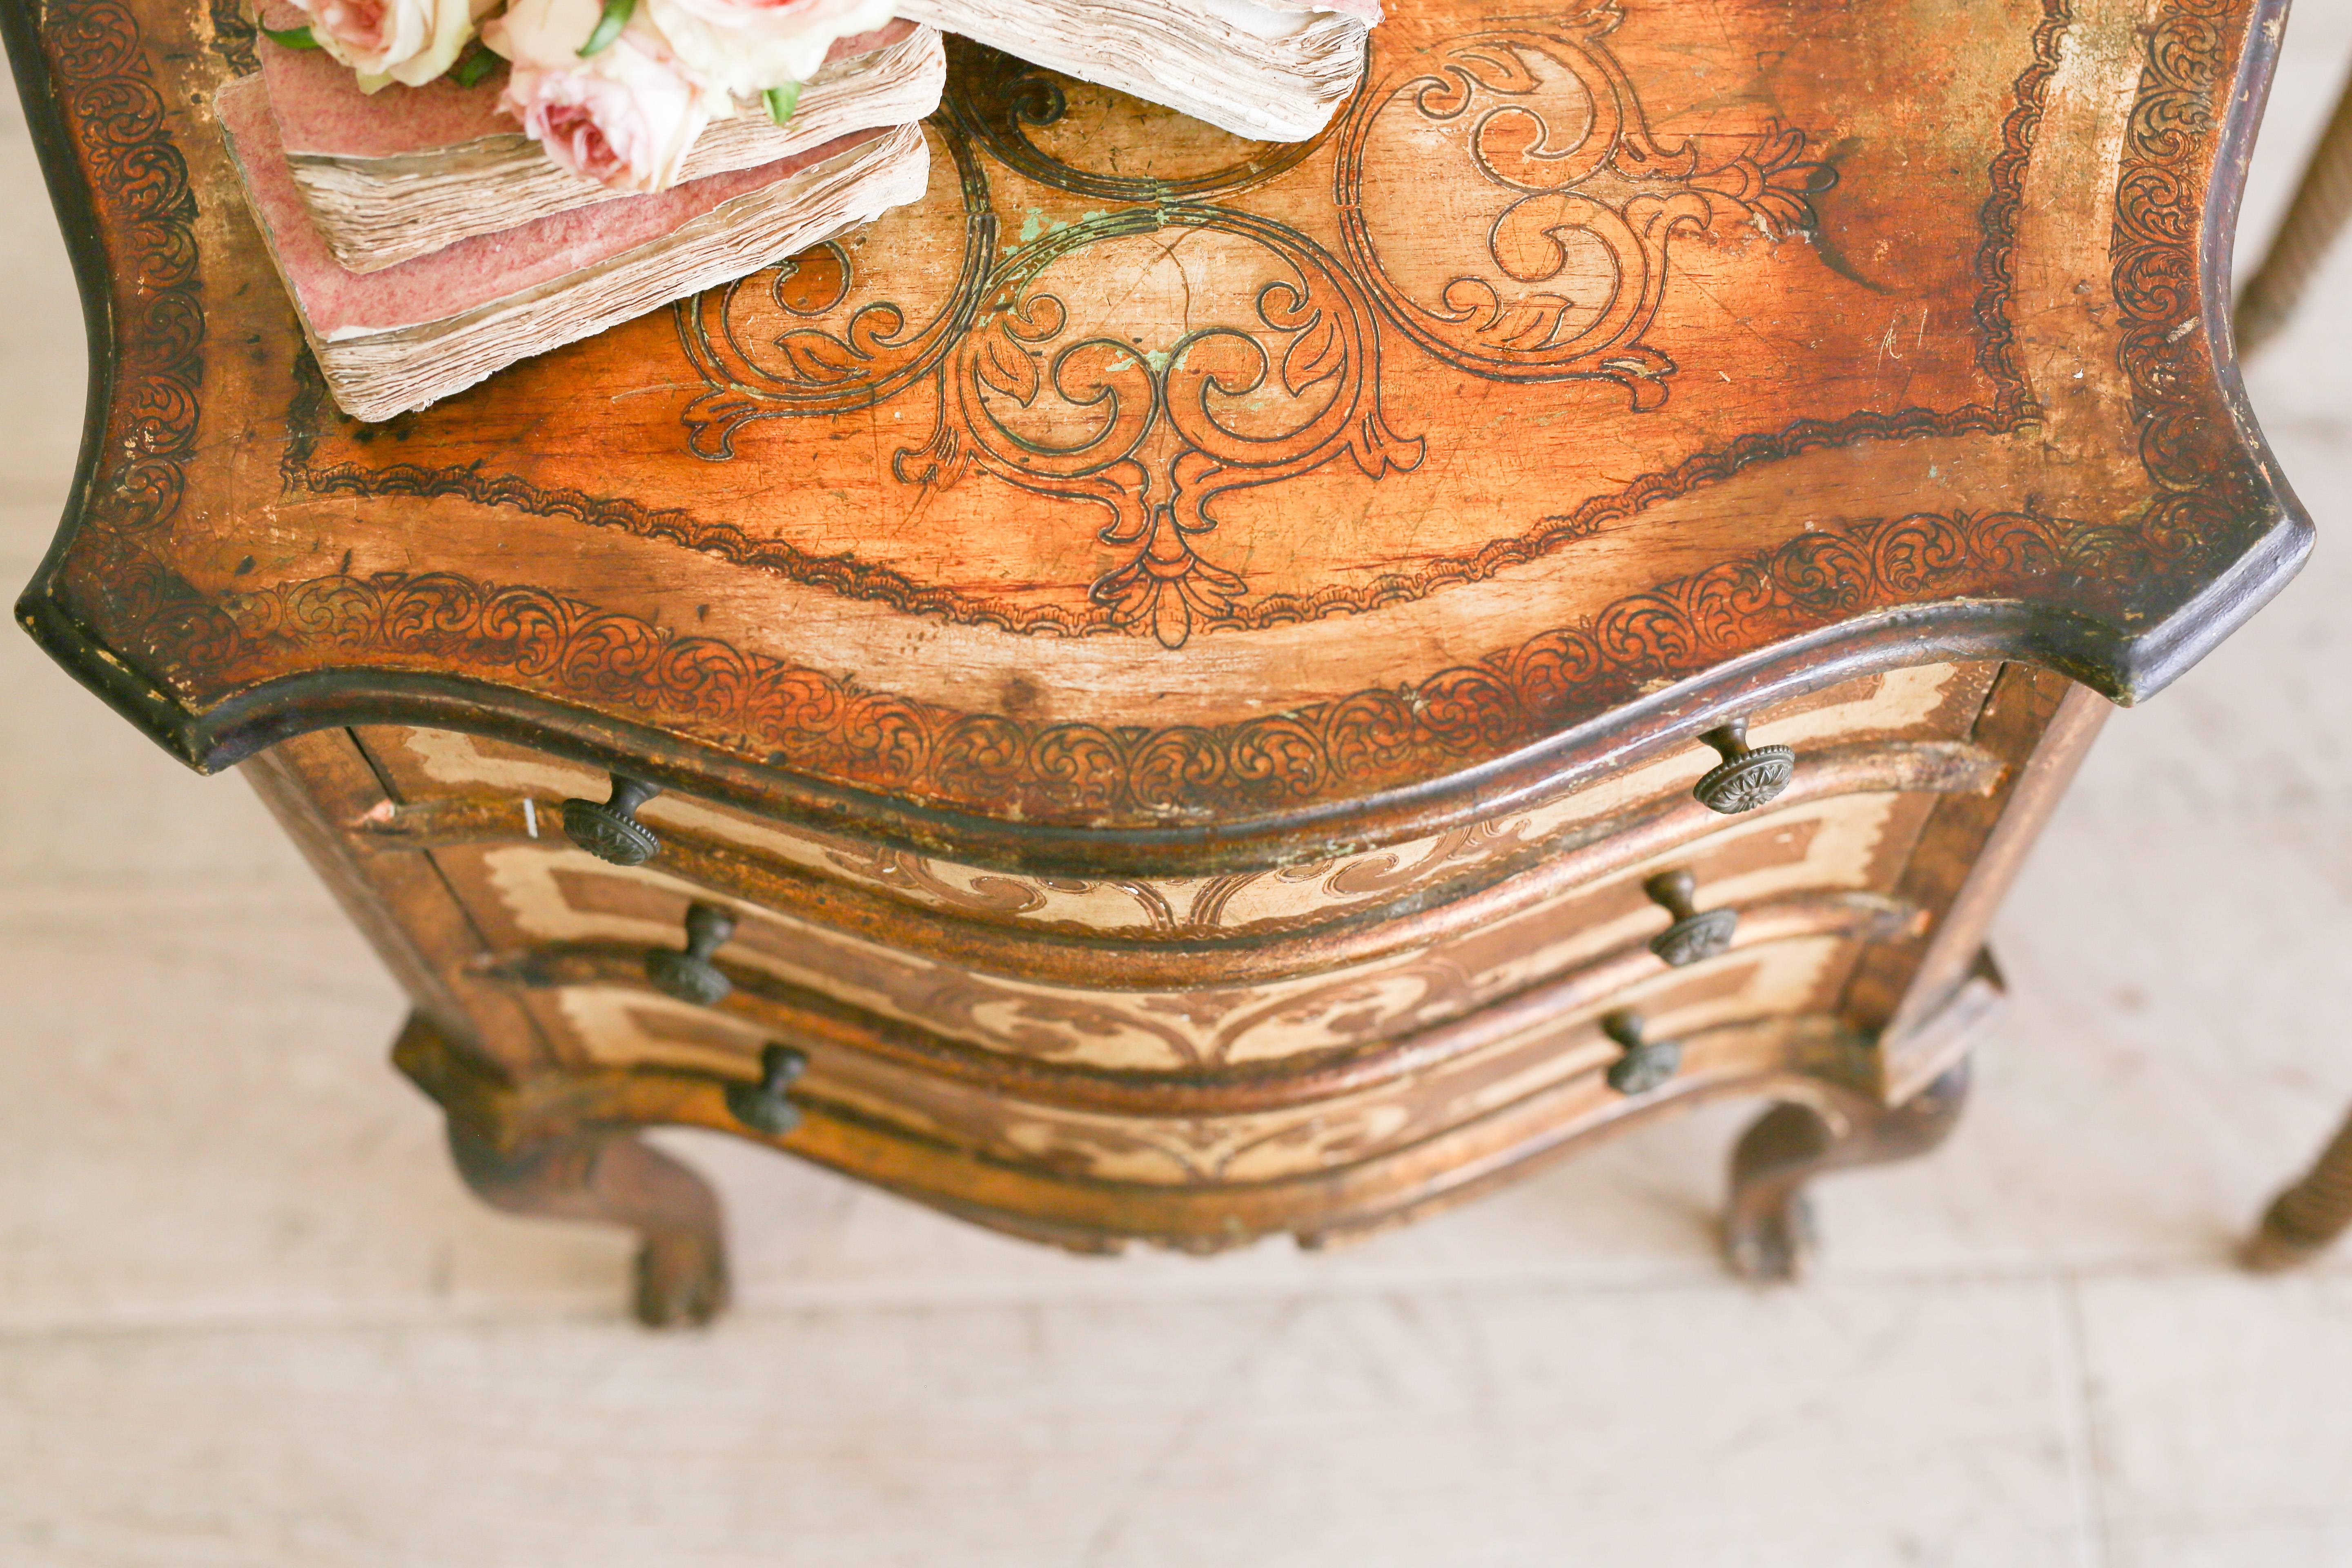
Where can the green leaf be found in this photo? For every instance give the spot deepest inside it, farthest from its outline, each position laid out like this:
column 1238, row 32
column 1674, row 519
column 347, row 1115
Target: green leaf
column 783, row 100
column 474, row 64
column 608, row 26
column 290, row 37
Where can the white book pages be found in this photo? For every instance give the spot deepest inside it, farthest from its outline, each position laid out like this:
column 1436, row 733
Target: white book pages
column 402, row 338
column 377, row 375
column 376, row 212
column 1274, row 72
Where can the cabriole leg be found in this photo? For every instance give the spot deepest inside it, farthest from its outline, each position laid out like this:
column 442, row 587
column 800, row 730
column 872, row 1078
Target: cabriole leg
column 1767, row 1230
column 2309, row 1214
column 609, row 1174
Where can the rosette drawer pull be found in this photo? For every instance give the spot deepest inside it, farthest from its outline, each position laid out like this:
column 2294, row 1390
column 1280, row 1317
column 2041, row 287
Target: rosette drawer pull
column 1695, row 936
column 766, row 1106
column 1646, row 1063
column 1748, row 776
column 690, row 976
column 609, row 829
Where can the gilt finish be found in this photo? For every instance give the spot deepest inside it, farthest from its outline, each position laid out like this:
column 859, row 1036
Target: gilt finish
column 1136, row 477
column 1181, row 690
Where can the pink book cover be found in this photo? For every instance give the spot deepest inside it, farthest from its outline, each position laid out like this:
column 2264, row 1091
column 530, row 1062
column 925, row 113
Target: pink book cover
column 473, row 272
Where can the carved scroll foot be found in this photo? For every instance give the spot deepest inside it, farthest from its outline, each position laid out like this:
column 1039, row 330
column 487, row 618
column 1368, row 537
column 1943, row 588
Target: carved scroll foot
column 2308, row 1216
column 1768, row 1231
column 610, row 1175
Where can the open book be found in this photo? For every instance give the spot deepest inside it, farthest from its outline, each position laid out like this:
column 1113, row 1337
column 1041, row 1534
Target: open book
column 1273, row 69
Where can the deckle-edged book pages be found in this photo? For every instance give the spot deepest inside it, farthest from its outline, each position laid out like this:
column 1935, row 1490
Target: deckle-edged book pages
column 402, row 338
column 408, row 170
column 1273, row 69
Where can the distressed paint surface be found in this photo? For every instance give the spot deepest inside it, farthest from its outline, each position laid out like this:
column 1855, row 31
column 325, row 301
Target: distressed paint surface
column 1583, row 357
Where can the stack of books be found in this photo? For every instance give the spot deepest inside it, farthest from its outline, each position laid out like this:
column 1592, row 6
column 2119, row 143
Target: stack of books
column 447, row 187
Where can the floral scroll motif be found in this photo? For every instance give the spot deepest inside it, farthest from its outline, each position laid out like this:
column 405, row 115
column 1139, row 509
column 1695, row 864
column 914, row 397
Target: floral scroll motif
column 1568, row 280
column 177, row 647
column 2206, row 492
column 1158, row 441
column 1149, row 437
column 809, row 371
column 1025, row 389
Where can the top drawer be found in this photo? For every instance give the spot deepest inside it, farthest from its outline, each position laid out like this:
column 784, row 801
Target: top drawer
column 1877, row 733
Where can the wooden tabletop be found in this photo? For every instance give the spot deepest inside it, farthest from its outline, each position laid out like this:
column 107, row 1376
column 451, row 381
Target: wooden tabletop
column 1148, row 494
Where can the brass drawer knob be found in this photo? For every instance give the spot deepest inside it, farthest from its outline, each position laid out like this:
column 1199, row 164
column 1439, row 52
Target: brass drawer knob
column 1748, row 776
column 609, row 829
column 690, row 976
column 1696, row 934
column 1646, row 1063
column 766, row 1106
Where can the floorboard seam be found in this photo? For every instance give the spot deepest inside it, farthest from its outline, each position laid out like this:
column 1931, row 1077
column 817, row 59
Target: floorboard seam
column 2086, row 1460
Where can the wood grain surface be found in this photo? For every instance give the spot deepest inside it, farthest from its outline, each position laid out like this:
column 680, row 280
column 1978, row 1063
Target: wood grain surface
column 1147, row 496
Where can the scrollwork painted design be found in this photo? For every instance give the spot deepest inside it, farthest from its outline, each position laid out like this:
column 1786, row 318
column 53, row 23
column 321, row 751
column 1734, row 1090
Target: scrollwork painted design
column 916, row 875
column 1996, row 220
column 831, row 367
column 236, row 37
column 1321, row 371
column 819, row 724
column 2206, row 489
column 806, row 369
column 1000, row 102
column 144, row 221
column 1207, row 1151
column 1286, row 898
column 1593, row 196
column 187, row 646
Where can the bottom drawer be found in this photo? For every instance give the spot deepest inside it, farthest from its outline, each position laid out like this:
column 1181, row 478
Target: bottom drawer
column 1537, row 1046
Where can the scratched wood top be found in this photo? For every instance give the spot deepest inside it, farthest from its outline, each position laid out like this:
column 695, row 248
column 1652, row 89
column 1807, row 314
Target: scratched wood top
column 1146, row 491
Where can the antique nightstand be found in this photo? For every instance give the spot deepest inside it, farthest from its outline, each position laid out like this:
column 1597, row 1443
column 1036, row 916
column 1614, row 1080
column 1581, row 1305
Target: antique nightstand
column 1182, row 689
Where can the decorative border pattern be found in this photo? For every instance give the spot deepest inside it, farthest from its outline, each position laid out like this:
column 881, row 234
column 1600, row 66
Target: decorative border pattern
column 1483, row 85
column 2206, row 489
column 1997, row 219
column 877, row 356
column 844, row 574
column 790, row 716
column 822, row 726
column 120, row 125
column 2013, row 406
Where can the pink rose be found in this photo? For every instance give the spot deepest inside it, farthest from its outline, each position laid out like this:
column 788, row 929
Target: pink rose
column 624, row 117
column 749, row 46
column 407, row 41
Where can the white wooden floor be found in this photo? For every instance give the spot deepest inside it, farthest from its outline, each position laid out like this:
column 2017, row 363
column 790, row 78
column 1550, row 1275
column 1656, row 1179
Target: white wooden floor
column 248, row 1320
